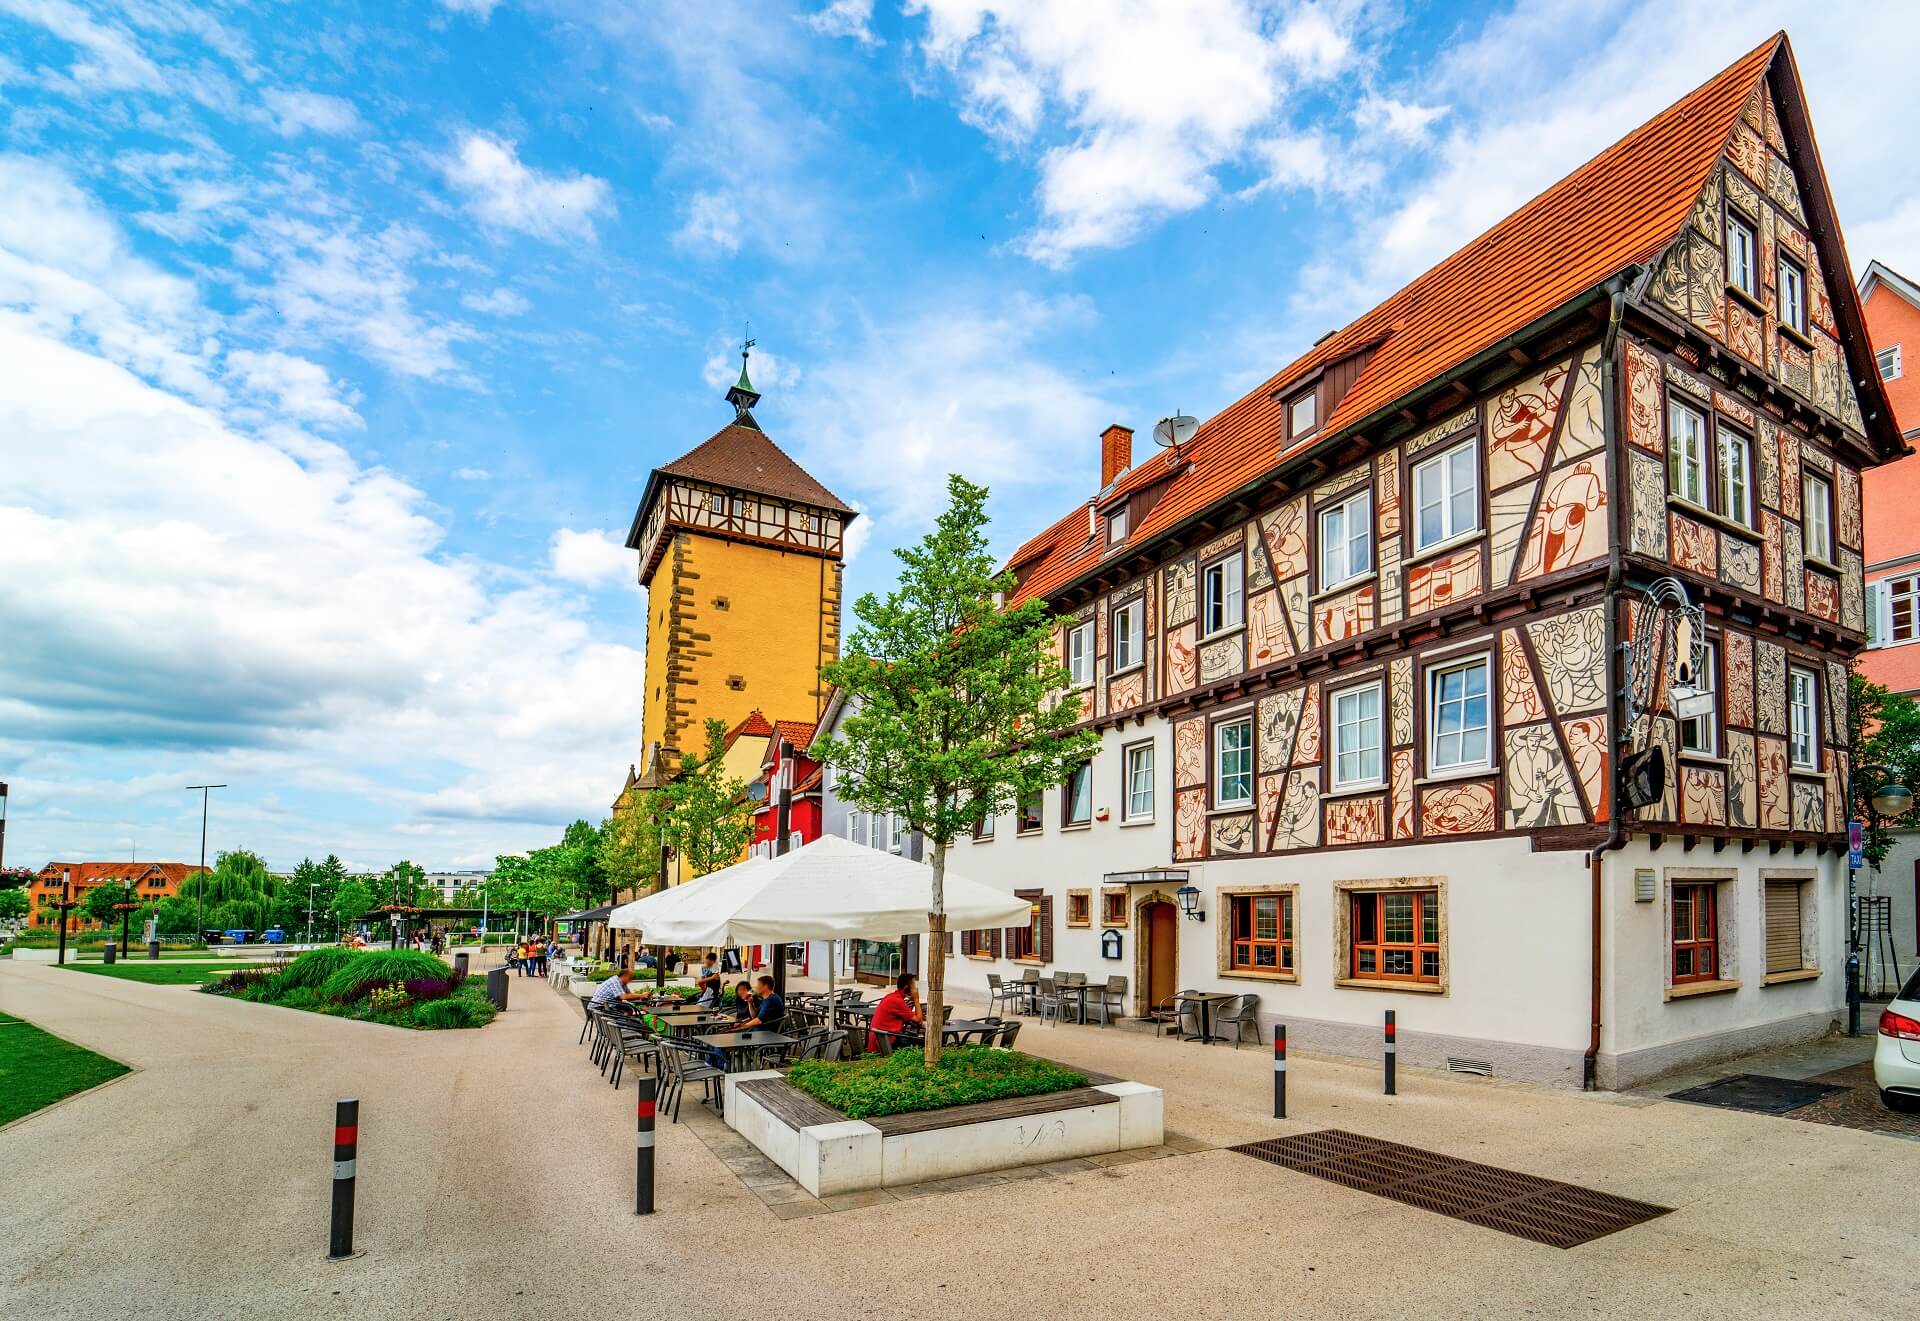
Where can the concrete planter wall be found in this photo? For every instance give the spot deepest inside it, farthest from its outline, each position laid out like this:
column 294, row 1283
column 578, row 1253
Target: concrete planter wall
column 852, row 1154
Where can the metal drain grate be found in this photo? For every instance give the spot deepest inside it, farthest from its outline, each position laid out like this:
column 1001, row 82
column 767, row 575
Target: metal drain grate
column 1561, row 1215
column 1756, row 1091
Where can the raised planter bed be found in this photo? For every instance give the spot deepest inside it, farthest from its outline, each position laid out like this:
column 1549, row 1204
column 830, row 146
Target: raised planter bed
column 827, row 1153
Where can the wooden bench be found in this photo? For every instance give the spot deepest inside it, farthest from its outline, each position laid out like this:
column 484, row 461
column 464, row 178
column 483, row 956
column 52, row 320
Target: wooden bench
column 790, row 1105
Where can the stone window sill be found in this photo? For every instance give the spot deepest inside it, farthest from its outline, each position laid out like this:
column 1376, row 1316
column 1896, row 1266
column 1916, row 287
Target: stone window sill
column 1444, row 545
column 1353, row 790
column 1797, row 975
column 1706, row 515
column 1256, row 975
column 1687, row 990
column 1370, row 984
column 1347, row 585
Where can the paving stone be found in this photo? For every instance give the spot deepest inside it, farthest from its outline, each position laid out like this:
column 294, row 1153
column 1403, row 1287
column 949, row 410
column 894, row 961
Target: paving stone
column 774, row 1195
column 1109, row 1158
column 798, row 1210
column 855, row 1200
column 1068, row 1166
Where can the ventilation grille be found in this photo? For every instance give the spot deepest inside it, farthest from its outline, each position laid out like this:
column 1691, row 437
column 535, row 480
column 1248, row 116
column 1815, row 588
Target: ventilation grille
column 1560, row 1215
column 1478, row 1068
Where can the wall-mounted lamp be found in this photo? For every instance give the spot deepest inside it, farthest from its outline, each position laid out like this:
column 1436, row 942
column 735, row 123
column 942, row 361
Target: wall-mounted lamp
column 1189, row 897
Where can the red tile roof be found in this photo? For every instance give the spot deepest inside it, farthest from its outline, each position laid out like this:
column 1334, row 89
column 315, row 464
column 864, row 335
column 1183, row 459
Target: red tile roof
column 799, row 733
column 746, row 459
column 755, row 724
column 1622, row 207
column 94, row 873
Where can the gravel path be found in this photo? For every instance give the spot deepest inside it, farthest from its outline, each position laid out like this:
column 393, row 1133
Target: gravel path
column 496, row 1181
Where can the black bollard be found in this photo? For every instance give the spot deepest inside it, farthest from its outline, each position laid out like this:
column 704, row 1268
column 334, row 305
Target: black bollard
column 346, row 1142
column 1279, row 1070
column 1390, row 1052
column 643, row 1148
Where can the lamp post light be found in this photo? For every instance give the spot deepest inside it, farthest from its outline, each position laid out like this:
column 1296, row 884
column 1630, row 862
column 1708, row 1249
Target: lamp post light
column 3, row 823
column 1189, row 897
column 200, row 887
column 1892, row 799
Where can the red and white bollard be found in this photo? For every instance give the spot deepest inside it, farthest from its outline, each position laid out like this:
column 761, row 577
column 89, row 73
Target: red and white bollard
column 1279, row 1070
column 346, row 1147
column 1391, row 1048
column 643, row 1147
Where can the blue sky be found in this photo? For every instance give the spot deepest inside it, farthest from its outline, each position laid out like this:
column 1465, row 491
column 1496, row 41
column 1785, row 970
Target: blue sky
column 336, row 340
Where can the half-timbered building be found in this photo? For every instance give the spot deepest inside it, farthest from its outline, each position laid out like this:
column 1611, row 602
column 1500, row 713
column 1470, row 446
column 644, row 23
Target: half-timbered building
column 1359, row 649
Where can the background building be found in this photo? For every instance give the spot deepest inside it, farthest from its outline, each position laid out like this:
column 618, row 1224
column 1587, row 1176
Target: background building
column 150, row 880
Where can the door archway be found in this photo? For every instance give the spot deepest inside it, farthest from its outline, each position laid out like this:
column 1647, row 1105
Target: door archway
column 1156, row 950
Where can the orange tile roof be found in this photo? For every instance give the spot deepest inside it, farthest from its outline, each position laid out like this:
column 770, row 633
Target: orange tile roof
column 799, row 733
column 746, row 459
column 1623, row 206
column 94, row 873
column 755, row 725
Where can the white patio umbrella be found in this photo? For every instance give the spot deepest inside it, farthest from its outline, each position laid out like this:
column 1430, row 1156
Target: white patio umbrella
column 831, row 889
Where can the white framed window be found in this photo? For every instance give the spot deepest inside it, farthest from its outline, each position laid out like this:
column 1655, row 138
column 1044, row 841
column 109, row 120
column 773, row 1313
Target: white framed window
column 1221, row 594
column 1080, row 653
column 1303, row 413
column 1792, row 277
column 1701, row 733
column 1233, row 762
column 1076, row 796
column 1139, row 786
column 1816, row 511
column 1736, row 474
column 1459, row 715
column 1803, row 719
column 896, row 831
column 1687, row 453
column 1888, row 360
column 983, row 828
column 1346, row 540
column 1117, row 526
column 1126, row 637
column 1741, row 268
column 1902, row 622
column 857, row 827
column 1446, row 496
column 1356, row 736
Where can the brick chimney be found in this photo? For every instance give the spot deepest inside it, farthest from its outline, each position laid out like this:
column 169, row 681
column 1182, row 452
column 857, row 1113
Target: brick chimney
column 1116, row 453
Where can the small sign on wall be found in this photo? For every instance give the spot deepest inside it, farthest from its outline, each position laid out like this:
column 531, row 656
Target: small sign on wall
column 1109, row 944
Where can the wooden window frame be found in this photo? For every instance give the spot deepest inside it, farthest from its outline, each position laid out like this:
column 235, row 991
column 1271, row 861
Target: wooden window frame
column 1361, row 900
column 1117, row 525
column 1082, row 633
column 1032, row 943
column 1812, row 707
column 1128, row 817
column 1213, row 762
column 1911, row 598
column 983, row 828
column 1079, row 908
column 1712, row 718
column 1309, row 395
column 1344, row 508
column 1238, row 560
column 1038, row 816
column 1441, row 462
column 1114, row 903
column 1694, row 942
column 1240, row 940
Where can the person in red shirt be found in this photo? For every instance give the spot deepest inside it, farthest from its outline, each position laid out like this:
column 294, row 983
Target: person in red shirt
column 898, row 1008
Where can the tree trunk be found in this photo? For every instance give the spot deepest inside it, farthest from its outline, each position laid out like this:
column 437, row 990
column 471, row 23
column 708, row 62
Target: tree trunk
column 936, row 957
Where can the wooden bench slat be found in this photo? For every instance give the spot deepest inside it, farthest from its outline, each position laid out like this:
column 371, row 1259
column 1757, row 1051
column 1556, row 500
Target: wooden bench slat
column 1012, row 1107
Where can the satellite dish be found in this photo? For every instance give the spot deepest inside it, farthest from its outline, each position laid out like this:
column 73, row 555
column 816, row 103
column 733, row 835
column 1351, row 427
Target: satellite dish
column 1173, row 432
column 757, row 791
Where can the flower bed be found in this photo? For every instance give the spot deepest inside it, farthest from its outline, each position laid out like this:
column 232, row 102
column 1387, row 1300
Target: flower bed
column 901, row 1083
column 402, row 988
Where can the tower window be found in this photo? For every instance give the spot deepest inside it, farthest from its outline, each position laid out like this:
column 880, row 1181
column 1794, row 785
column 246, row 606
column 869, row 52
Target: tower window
column 722, row 603
column 736, row 683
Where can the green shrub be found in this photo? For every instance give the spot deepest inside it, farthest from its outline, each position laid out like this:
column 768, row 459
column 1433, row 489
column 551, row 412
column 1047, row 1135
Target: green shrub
column 383, row 1001
column 300, row 997
column 901, row 1083
column 310, row 971
column 367, row 969
column 454, row 1011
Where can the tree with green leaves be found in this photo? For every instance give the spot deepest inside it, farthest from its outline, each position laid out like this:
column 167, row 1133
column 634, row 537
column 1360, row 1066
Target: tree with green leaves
column 628, row 848
column 110, row 902
column 13, row 905
column 1883, row 728
column 706, row 817
column 953, row 700
column 351, row 900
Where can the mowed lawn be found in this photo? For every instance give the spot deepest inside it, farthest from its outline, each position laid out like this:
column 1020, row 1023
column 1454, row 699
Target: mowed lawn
column 163, row 974
column 38, row 1068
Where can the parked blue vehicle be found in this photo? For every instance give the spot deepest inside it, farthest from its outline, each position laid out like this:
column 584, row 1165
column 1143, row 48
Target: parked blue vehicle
column 239, row 935
column 273, row 936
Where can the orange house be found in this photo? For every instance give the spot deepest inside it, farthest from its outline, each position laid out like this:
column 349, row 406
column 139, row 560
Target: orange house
column 1892, row 492
column 150, row 880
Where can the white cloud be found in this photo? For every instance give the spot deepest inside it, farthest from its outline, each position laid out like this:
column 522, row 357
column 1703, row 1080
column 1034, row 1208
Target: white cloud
column 591, row 558
column 496, row 302
column 472, row 475
column 846, row 18
column 507, row 194
column 1150, row 103
column 1399, row 120
column 106, row 56
column 301, row 389
column 480, row 9
column 713, row 221
column 296, row 112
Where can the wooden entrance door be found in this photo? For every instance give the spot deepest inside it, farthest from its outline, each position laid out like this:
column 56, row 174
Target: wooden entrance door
column 1162, row 925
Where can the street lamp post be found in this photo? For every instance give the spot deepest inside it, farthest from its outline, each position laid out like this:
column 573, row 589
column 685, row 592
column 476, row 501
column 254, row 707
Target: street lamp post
column 200, row 888
column 1891, row 799
column 3, row 823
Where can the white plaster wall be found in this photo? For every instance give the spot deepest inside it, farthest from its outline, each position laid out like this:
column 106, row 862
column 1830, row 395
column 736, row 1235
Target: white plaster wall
column 1898, row 879
column 1642, row 1021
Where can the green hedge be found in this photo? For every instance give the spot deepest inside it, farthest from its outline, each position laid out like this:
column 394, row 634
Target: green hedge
column 901, row 1083
column 310, row 971
column 370, row 968
column 336, row 981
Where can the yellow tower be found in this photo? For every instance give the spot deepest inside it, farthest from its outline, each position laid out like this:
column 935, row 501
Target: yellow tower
column 740, row 554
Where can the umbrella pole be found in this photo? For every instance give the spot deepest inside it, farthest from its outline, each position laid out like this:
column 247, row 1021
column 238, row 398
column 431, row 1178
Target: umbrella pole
column 833, row 959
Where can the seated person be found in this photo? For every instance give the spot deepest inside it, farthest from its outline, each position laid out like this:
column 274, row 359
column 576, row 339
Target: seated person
column 613, row 990
column 768, row 1009
column 709, row 983
column 898, row 1008
column 742, row 1004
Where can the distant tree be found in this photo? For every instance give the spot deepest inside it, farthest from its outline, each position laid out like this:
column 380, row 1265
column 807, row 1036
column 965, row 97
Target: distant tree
column 404, row 883
column 175, row 916
column 578, row 860
column 628, row 848
column 707, row 819
column 102, row 902
column 238, row 874
column 953, row 699
column 351, row 901
column 1884, row 728
column 13, row 905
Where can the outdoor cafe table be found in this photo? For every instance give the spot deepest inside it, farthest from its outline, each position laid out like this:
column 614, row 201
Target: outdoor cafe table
column 1206, row 1000
column 958, row 1030
column 756, row 1039
column 1079, row 991
column 690, row 1019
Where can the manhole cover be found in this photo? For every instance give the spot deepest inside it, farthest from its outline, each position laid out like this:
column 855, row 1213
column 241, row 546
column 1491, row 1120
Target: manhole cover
column 1757, row 1092
column 1561, row 1215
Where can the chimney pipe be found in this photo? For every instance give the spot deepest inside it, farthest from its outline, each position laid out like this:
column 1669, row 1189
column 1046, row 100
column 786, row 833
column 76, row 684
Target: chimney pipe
column 1116, row 453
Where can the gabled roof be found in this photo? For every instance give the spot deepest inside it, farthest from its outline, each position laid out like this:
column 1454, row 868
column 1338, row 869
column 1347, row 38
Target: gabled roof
column 94, row 873
column 1898, row 283
column 746, row 459
column 1621, row 208
column 755, row 725
column 799, row 733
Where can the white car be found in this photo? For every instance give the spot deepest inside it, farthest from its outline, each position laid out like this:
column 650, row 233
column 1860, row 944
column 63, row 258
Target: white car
column 1896, row 1054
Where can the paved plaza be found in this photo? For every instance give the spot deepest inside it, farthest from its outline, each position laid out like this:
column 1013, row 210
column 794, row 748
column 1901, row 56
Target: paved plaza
column 496, row 1180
